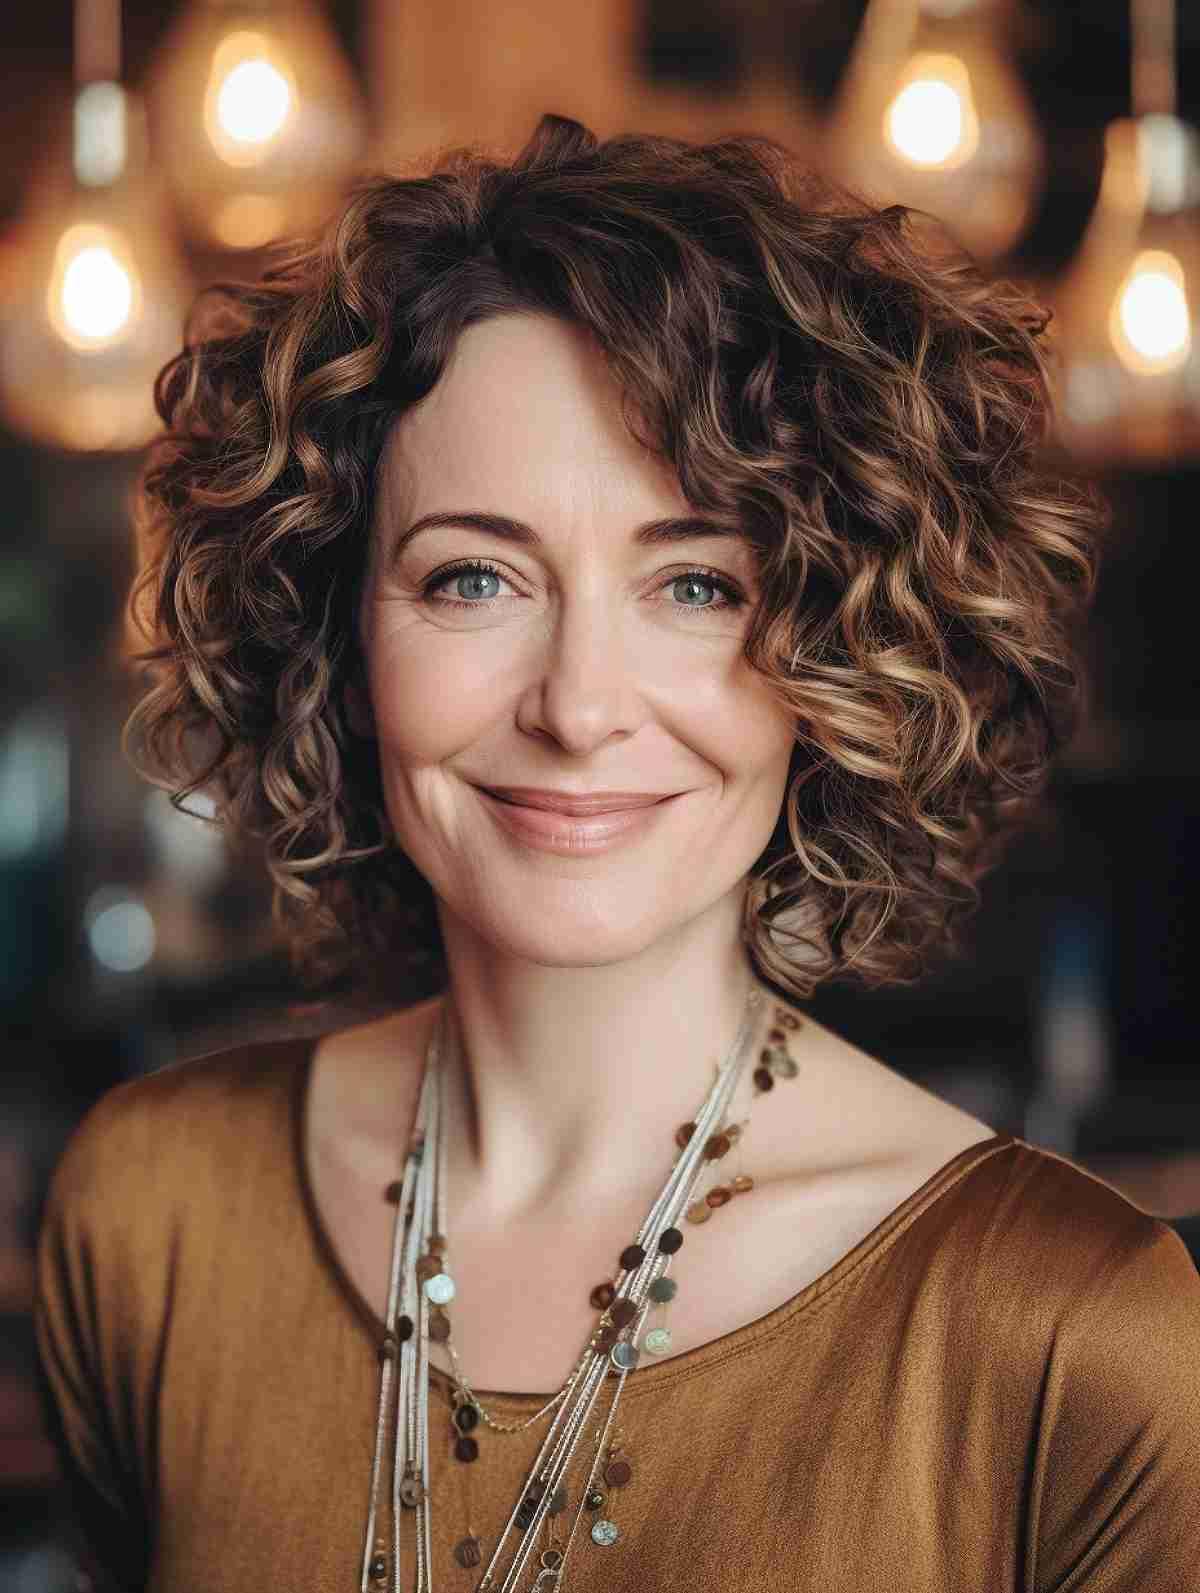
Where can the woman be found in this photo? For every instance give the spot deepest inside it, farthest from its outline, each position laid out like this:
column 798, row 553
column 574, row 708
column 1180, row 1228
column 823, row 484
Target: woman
column 628, row 473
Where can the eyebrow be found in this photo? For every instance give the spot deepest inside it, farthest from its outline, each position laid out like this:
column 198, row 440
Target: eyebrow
column 653, row 533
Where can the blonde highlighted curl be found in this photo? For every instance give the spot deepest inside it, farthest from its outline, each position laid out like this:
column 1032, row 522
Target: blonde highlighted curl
column 834, row 378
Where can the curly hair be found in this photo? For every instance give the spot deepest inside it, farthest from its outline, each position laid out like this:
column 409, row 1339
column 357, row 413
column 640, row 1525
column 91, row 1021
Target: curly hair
column 837, row 378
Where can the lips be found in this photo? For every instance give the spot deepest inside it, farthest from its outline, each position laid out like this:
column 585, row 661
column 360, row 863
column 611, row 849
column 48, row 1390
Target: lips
column 575, row 806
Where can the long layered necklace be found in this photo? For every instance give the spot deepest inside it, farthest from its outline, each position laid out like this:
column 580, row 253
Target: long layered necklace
column 421, row 1286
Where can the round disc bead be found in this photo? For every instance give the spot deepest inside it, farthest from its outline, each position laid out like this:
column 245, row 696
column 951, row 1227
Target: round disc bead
column 764, row 1078
column 439, row 1327
column 602, row 1296
column 595, row 1500
column 466, row 1449
column 623, row 1311
column 466, row 1417
column 617, row 1473
column 669, row 1241
column 663, row 1289
column 404, row 1328
column 624, row 1356
column 467, row 1552
column 440, row 1288
column 718, row 1195
column 632, row 1256
column 605, row 1532
column 378, row 1566
column 657, row 1341
column 698, row 1211
column 683, row 1134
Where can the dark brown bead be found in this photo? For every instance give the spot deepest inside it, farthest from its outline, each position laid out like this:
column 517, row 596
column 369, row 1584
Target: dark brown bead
column 788, row 1019
column 466, row 1449
column 393, row 1192
column 718, row 1195
column 602, row 1296
column 764, row 1078
column 437, row 1243
column 466, row 1417
column 535, row 1491
column 378, row 1567
column 404, row 1328
column 617, row 1473
column 683, row 1134
column 467, row 1552
column 669, row 1241
column 524, row 1516
column 439, row 1327
column 777, row 1036
column 717, row 1146
column 595, row 1500
column 411, row 1492
column 632, row 1256
column 389, row 1347
column 558, row 1500
column 623, row 1311
column 550, row 1559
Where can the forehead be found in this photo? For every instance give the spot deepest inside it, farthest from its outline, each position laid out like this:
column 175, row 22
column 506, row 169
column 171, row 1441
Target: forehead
column 526, row 419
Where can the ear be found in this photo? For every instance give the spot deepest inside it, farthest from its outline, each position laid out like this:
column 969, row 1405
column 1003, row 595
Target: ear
column 358, row 710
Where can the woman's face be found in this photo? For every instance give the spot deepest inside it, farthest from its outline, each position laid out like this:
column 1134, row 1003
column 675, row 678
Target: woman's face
column 585, row 658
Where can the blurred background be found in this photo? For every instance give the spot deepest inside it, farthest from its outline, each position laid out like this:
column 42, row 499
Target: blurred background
column 151, row 148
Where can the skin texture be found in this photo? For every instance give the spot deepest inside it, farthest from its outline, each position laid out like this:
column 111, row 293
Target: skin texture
column 593, row 994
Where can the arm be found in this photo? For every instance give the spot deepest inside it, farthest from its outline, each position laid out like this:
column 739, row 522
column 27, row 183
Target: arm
column 1116, row 1484
column 79, row 1314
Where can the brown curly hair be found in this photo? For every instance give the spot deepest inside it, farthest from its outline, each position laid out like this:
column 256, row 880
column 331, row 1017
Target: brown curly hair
column 836, row 378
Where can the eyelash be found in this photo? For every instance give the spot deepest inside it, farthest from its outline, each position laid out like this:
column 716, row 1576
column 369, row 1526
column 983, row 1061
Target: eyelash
column 733, row 597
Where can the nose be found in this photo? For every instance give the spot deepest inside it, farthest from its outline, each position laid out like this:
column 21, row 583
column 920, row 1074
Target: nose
column 585, row 683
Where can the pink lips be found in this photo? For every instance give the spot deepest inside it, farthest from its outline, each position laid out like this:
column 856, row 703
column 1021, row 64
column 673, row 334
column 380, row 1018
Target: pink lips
column 570, row 834
column 530, row 796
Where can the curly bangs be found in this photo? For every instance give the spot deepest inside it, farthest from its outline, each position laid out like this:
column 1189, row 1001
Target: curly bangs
column 836, row 378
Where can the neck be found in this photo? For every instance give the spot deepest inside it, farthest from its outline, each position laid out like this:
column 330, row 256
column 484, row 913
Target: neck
column 565, row 1084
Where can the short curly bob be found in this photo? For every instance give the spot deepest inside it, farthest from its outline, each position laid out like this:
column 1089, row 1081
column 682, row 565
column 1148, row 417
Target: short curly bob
column 837, row 378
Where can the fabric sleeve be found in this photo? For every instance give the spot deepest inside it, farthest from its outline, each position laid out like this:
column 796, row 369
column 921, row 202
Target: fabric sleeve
column 1117, row 1463
column 81, row 1306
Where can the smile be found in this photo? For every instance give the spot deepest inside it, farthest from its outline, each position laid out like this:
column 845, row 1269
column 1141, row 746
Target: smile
column 568, row 834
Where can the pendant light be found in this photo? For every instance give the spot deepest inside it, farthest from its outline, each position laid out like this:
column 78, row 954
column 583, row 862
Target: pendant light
column 931, row 112
column 92, row 290
column 1125, row 329
column 257, row 119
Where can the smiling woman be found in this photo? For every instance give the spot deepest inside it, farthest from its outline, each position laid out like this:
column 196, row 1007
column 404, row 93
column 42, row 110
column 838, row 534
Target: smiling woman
column 620, row 588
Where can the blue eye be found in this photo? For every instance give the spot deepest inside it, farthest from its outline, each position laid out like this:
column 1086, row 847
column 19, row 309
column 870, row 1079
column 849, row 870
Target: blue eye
column 731, row 596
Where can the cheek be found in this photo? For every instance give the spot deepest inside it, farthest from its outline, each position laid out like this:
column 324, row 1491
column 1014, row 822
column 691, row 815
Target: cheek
column 427, row 701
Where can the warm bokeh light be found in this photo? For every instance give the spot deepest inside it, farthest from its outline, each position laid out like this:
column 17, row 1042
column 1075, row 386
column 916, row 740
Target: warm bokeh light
column 248, row 221
column 1151, row 324
column 932, row 122
column 94, row 292
column 248, row 99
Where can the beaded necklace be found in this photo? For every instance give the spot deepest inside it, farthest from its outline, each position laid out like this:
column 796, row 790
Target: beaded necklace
column 420, row 1287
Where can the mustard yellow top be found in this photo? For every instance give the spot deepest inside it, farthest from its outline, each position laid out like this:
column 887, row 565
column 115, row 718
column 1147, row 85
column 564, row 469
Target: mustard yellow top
column 997, row 1389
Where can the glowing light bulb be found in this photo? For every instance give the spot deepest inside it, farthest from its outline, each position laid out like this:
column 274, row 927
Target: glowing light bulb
column 94, row 292
column 1150, row 323
column 931, row 122
column 253, row 101
column 248, row 99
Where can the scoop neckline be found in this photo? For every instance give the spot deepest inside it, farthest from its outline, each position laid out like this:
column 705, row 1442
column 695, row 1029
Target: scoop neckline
column 646, row 1375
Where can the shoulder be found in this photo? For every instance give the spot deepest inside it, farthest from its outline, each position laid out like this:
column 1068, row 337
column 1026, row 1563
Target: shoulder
column 165, row 1128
